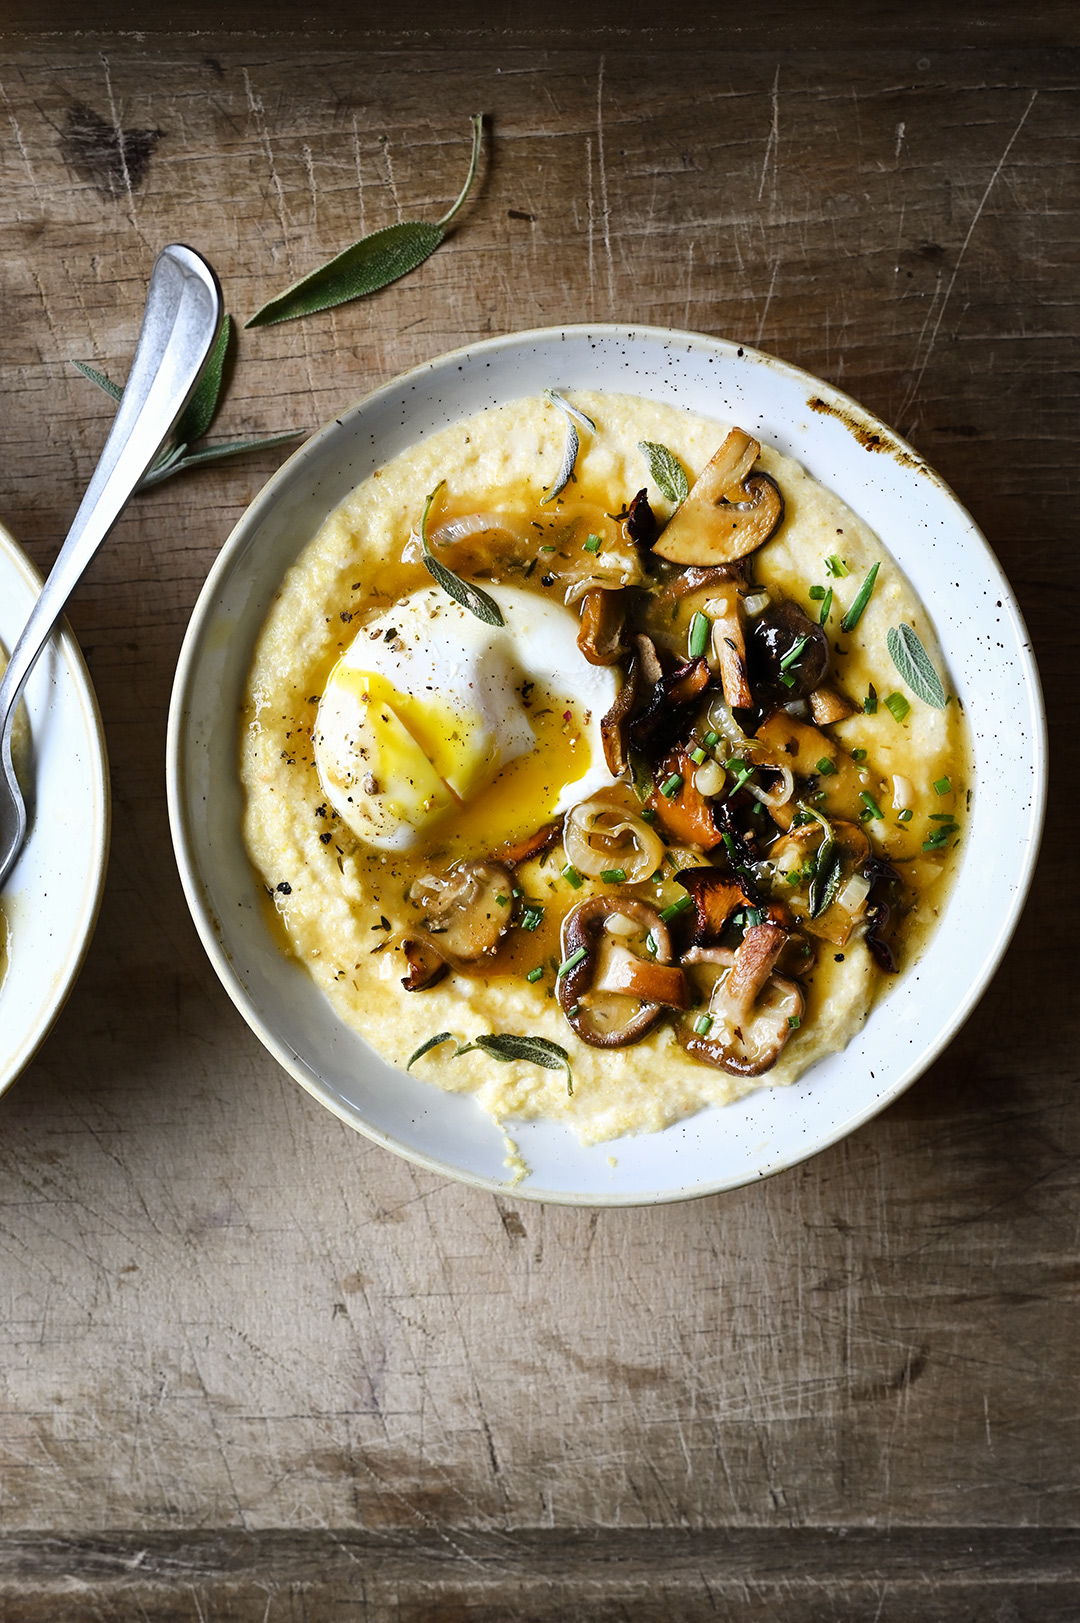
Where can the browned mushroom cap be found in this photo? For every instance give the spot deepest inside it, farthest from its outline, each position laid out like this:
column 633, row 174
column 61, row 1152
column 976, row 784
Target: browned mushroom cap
column 595, row 990
column 827, row 706
column 425, row 965
column 462, row 909
column 728, row 513
column 751, row 1007
column 603, row 618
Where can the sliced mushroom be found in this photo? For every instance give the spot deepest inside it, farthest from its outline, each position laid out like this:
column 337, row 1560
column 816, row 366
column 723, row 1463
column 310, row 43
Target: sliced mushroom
column 603, row 620
column 727, row 514
column 530, row 845
column 751, row 1007
column 467, row 910
column 640, row 523
column 691, row 580
column 729, row 649
column 651, row 668
column 715, row 896
column 685, row 814
column 425, row 965
column 827, row 706
column 620, row 1014
column 614, row 725
column 787, row 655
column 669, row 711
column 886, row 891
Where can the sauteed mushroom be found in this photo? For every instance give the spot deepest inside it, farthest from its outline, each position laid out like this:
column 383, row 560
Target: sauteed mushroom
column 603, row 618
column 787, row 654
column 466, row 910
column 425, row 966
column 751, row 1007
column 594, row 992
column 728, row 513
column 715, row 896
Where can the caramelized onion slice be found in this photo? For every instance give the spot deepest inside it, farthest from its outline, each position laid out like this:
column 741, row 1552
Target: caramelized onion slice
column 599, row 836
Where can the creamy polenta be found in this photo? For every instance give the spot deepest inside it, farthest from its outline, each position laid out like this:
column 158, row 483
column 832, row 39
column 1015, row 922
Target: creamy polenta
column 733, row 743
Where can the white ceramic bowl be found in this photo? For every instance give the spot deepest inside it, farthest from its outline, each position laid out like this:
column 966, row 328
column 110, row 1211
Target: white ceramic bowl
column 991, row 667
column 52, row 895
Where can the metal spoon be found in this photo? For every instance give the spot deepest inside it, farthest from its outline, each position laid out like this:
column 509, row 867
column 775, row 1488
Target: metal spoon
column 180, row 322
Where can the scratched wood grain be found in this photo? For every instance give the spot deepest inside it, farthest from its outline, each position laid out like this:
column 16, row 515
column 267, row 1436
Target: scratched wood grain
column 251, row 1366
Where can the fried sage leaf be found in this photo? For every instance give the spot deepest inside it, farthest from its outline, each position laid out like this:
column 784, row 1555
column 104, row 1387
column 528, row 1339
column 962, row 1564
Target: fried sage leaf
column 915, row 667
column 425, row 1048
column 462, row 591
column 370, row 264
column 666, row 471
column 537, row 1050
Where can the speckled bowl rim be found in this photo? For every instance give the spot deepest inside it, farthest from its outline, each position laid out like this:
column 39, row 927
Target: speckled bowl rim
column 828, row 399
column 72, row 950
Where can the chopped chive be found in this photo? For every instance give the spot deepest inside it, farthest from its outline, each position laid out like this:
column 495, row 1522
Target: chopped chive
column 536, row 974
column 855, row 613
column 672, row 912
column 793, row 878
column 942, row 817
column 743, row 770
column 703, row 1025
column 697, row 756
column 647, row 814
column 502, row 900
column 517, row 891
column 572, row 877
column 794, row 1021
column 865, row 816
column 699, row 635
column 672, row 785
column 943, row 786
column 594, row 543
column 871, row 804
column 793, row 653
column 787, row 679
column 826, row 608
column 826, row 767
column 817, row 593
column 651, row 944
column 858, row 755
column 710, row 739
column 869, row 704
column 613, row 876
column 836, row 566
column 937, row 839
column 753, row 916
column 533, row 918
column 905, row 816
column 547, row 549
column 574, row 1012
column 897, row 706
column 574, row 959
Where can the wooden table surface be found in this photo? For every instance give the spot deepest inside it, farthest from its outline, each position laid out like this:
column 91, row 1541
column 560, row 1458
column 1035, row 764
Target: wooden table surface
column 253, row 1367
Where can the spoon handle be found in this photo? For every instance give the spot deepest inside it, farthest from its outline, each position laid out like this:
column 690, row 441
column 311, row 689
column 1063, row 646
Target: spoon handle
column 181, row 319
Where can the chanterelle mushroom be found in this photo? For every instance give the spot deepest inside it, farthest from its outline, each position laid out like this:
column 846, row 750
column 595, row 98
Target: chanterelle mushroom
column 467, row 910
column 728, row 513
column 609, row 994
column 751, row 1007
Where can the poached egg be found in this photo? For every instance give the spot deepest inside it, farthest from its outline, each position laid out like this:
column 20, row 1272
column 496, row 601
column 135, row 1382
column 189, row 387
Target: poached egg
column 435, row 727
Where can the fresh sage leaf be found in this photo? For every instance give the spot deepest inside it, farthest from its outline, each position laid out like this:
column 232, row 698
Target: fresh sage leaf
column 462, row 591
column 432, row 1042
column 176, row 463
column 571, row 411
column 826, row 877
column 537, row 1050
column 370, row 264
column 565, row 473
column 199, row 412
column 666, row 471
column 913, row 662
column 100, row 379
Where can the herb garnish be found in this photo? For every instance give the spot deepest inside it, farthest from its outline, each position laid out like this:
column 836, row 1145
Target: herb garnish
column 570, row 410
column 372, row 263
column 826, row 877
column 862, row 598
column 699, row 635
column 432, row 1042
column 826, row 607
column 537, row 1050
column 462, row 591
column 836, row 566
column 666, row 471
column 897, row 706
column 195, row 420
column 913, row 662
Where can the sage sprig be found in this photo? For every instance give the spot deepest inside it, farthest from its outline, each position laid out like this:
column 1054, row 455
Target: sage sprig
column 195, row 421
column 425, row 1048
column 566, row 469
column 914, row 664
column 569, row 410
column 462, row 591
column 536, row 1050
column 371, row 263
column 666, row 471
